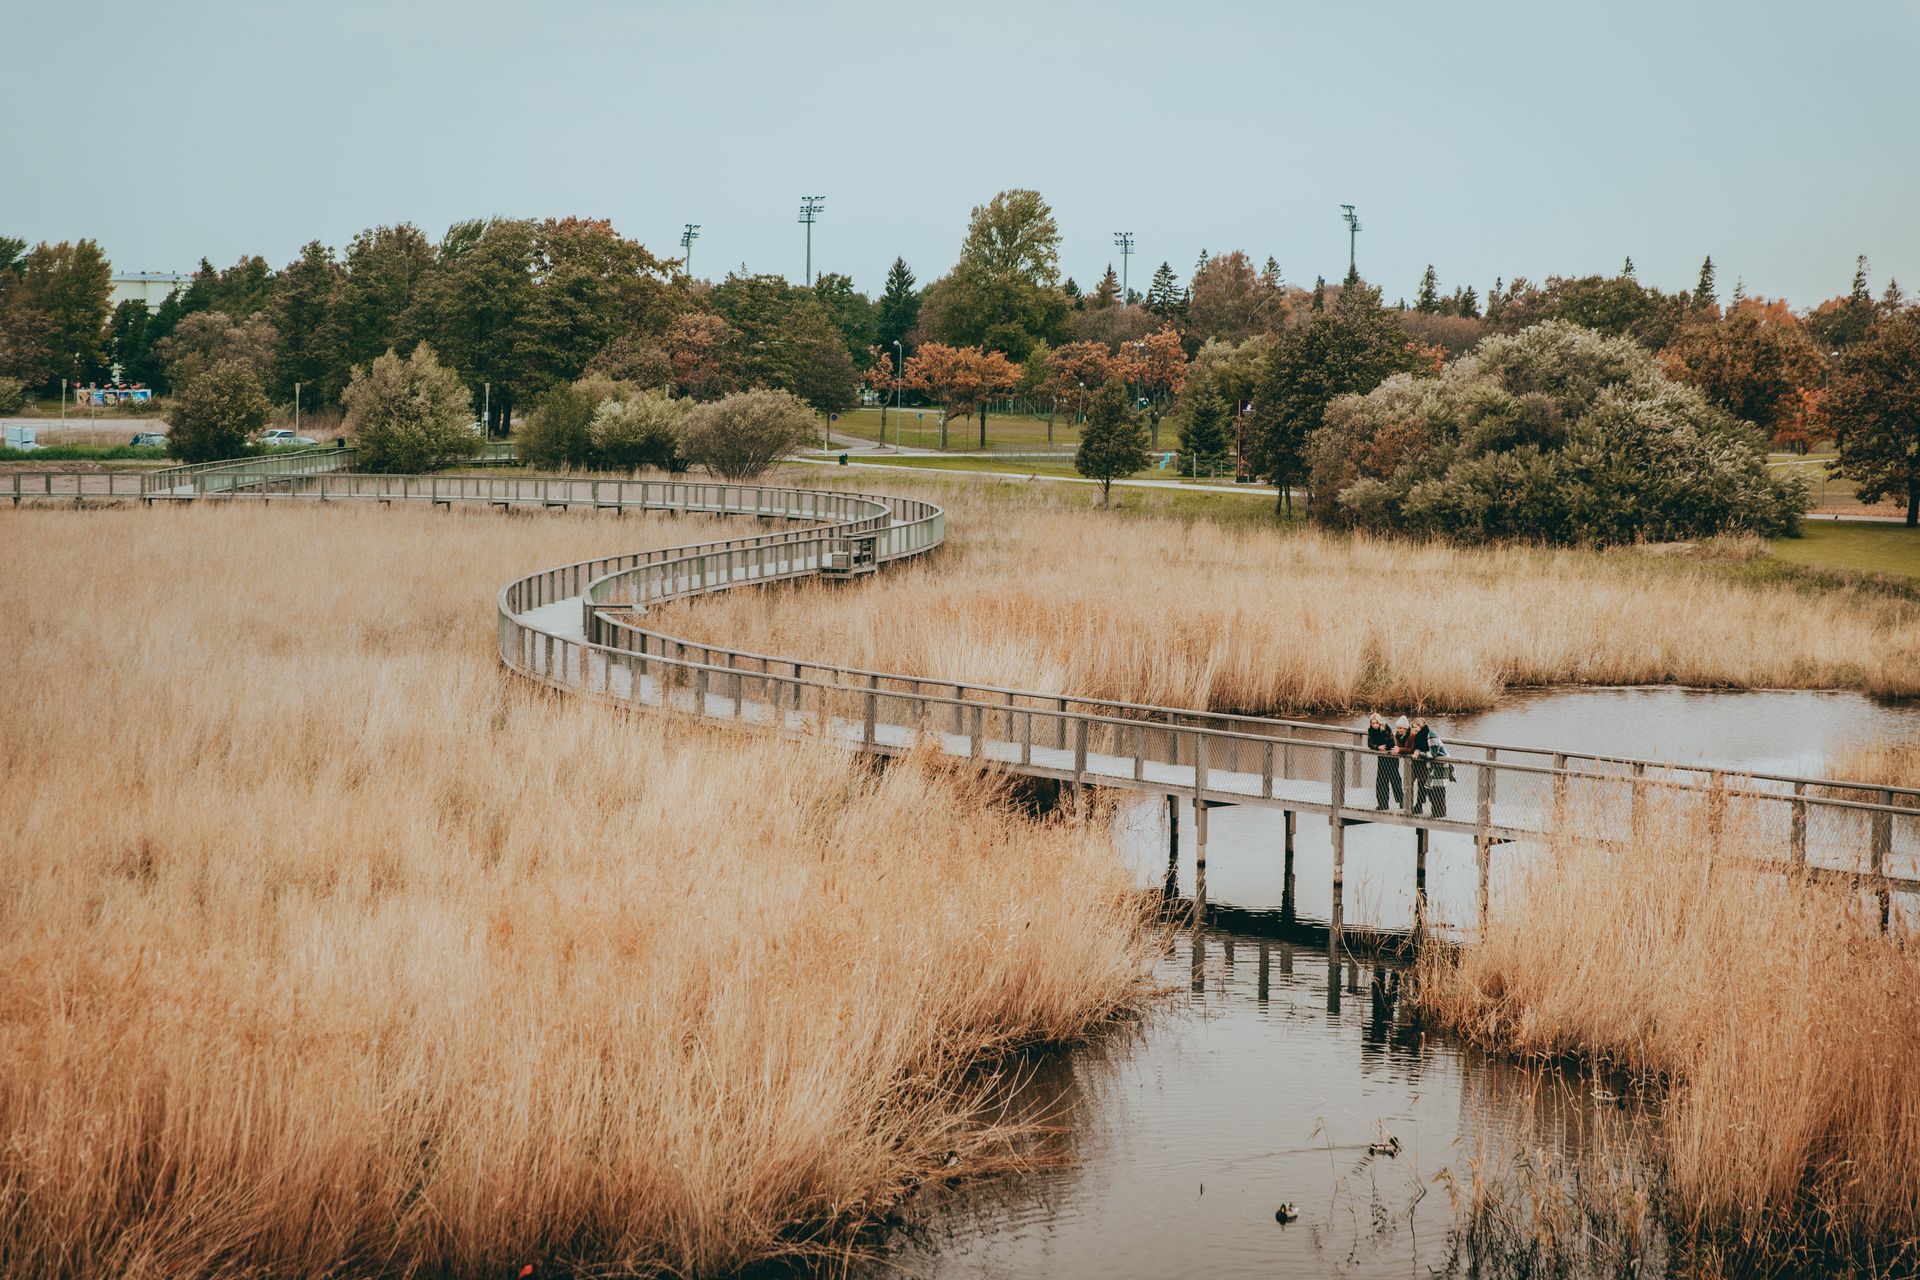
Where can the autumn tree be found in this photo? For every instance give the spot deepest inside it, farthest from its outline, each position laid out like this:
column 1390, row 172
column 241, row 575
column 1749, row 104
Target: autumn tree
column 962, row 379
column 1107, row 292
column 409, row 414
column 1840, row 322
column 1873, row 405
column 214, row 417
column 880, row 380
column 1157, row 365
column 1113, row 443
column 1077, row 370
column 703, row 351
column 207, row 338
column 1755, row 362
column 1230, row 301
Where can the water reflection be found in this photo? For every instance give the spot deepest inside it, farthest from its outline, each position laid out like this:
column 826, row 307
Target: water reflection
column 1265, row 1083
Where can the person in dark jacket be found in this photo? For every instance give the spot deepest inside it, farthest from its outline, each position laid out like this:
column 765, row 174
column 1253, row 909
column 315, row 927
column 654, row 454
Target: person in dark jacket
column 1431, row 772
column 1386, row 777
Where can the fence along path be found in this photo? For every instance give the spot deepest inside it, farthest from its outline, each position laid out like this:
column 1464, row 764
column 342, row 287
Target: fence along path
column 581, row 627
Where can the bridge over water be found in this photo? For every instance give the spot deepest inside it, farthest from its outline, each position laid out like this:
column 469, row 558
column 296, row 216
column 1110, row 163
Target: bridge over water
column 582, row 628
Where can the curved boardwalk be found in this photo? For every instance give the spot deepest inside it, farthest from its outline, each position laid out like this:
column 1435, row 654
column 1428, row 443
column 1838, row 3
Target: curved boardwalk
column 580, row 627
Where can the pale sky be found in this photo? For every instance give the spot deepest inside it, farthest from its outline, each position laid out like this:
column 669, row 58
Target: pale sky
column 1490, row 139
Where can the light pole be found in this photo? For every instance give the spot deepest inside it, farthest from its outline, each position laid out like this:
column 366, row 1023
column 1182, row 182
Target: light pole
column 810, row 208
column 1352, row 220
column 899, row 372
column 296, row 408
column 486, row 410
column 1123, row 240
column 687, row 238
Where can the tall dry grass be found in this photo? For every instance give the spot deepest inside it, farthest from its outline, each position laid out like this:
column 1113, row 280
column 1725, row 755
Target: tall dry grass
column 330, row 948
column 1889, row 764
column 1044, row 595
column 1786, row 1031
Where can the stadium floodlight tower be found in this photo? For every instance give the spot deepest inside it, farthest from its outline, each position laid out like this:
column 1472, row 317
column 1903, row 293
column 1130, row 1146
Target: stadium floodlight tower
column 687, row 238
column 1352, row 220
column 1123, row 240
column 810, row 207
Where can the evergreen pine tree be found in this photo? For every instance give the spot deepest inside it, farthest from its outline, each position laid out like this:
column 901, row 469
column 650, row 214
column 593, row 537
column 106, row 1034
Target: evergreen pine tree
column 1206, row 434
column 1319, row 293
column 1163, row 294
column 1107, row 292
column 1894, row 297
column 1739, row 290
column 1626, row 268
column 1860, row 293
column 899, row 307
column 1201, row 265
column 1469, row 304
column 1270, row 274
column 1113, row 441
column 1427, row 302
column 1703, row 292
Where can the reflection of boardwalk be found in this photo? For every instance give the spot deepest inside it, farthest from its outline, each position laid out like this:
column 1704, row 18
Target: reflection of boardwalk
column 580, row 627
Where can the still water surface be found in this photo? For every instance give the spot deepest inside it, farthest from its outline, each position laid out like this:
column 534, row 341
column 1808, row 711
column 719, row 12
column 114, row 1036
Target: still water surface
column 1269, row 1074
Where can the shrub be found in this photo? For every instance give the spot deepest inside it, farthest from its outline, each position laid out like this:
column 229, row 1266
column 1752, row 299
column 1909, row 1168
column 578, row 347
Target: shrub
column 213, row 416
column 409, row 414
column 13, row 395
column 740, row 436
column 1556, row 434
column 1113, row 442
column 557, row 434
column 641, row 432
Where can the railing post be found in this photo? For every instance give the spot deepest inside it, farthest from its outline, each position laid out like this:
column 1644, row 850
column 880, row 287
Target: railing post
column 1559, row 784
column 1266, row 773
column 1337, row 834
column 1079, row 752
column 1639, row 803
column 1877, row 859
column 1797, row 827
column 1201, row 746
column 873, row 707
column 977, row 749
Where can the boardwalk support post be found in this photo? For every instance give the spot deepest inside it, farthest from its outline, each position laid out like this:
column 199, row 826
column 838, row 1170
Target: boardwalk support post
column 1336, row 919
column 1199, row 862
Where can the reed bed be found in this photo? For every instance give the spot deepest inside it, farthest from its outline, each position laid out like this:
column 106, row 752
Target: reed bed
column 332, row 949
column 1044, row 595
column 1888, row 764
column 1778, row 1031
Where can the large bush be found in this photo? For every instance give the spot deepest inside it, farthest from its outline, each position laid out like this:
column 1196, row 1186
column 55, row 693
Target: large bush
column 409, row 414
column 740, row 436
column 640, row 432
column 213, row 416
column 1555, row 434
column 13, row 395
column 558, row 433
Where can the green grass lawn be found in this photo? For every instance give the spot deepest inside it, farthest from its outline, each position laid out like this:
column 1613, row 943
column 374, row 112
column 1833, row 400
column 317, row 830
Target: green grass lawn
column 1014, row 467
column 1854, row 547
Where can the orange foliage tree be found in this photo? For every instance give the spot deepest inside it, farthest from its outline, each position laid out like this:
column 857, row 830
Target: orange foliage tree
column 1757, row 362
column 962, row 379
column 1157, row 365
column 879, row 376
column 1075, row 370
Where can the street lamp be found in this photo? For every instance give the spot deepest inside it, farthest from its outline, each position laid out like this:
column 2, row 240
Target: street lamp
column 810, row 208
column 899, row 372
column 687, row 238
column 1123, row 241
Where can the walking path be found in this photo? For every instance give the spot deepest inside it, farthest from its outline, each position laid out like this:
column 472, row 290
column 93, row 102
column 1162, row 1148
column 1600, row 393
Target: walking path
column 581, row 627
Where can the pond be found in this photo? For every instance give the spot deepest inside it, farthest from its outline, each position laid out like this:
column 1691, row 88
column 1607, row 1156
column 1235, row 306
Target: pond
column 1271, row 1072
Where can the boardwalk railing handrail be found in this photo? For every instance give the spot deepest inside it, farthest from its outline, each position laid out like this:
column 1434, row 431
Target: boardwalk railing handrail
column 573, row 626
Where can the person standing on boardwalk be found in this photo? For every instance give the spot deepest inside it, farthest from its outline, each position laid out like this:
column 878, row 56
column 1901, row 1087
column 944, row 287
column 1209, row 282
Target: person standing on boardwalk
column 1431, row 773
column 1386, row 778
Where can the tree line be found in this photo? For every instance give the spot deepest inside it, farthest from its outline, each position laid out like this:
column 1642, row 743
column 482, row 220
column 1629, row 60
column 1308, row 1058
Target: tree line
column 1245, row 363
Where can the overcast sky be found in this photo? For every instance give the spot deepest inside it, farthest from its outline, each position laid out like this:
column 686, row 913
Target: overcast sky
column 1527, row 138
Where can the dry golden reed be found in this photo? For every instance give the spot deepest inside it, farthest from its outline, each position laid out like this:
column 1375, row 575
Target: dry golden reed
column 1042, row 595
column 1785, row 1026
column 331, row 948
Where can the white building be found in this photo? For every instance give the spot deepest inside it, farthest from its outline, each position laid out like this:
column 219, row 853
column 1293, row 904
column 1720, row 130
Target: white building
column 150, row 287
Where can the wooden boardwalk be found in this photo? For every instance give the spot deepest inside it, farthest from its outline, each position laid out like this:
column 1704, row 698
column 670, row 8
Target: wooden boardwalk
column 580, row 627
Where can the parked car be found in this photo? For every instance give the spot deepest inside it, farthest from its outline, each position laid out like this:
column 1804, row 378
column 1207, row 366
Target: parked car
column 149, row 439
column 282, row 435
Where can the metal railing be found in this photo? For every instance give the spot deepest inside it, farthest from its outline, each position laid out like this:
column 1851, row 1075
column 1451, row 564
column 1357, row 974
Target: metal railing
column 74, row 486
column 238, row 475
column 580, row 626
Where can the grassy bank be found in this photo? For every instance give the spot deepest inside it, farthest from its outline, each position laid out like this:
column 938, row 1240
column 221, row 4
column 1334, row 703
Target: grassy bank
column 1036, row 589
column 332, row 949
column 1778, row 1034
column 1853, row 547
